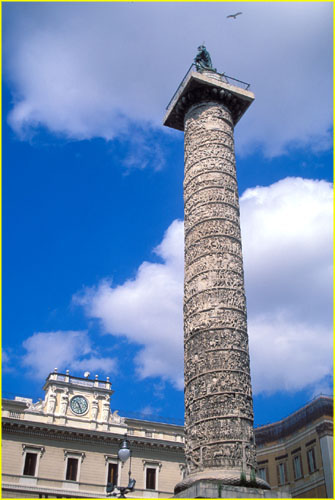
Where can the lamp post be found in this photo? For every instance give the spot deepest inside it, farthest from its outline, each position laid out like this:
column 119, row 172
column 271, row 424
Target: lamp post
column 124, row 453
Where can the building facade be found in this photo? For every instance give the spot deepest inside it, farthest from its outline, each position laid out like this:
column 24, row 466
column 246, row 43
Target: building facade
column 297, row 452
column 66, row 446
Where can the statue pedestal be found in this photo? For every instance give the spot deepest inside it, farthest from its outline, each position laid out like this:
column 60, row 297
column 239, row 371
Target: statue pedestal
column 215, row 489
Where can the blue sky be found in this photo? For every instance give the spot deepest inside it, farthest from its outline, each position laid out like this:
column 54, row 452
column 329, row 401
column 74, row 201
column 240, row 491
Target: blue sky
column 92, row 195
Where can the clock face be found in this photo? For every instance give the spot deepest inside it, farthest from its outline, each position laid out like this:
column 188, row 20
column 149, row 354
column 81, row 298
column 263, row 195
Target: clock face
column 79, row 405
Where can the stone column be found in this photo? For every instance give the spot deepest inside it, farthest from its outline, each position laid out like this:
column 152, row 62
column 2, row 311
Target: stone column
column 220, row 442
column 218, row 400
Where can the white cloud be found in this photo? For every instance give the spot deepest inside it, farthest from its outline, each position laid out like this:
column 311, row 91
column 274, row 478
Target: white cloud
column 287, row 244
column 64, row 350
column 149, row 411
column 147, row 309
column 89, row 70
column 96, row 364
column 325, row 386
column 286, row 354
column 287, row 238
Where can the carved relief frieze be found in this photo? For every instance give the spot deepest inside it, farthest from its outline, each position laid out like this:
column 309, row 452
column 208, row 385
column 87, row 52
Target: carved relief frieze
column 196, row 208
column 205, row 161
column 218, row 397
column 220, row 210
column 215, row 134
column 217, row 339
column 228, row 277
column 214, row 262
column 216, row 381
column 219, row 405
column 213, row 279
column 217, row 176
column 215, row 318
column 214, row 300
column 217, row 359
column 212, row 245
column 214, row 142
column 207, row 112
column 212, row 227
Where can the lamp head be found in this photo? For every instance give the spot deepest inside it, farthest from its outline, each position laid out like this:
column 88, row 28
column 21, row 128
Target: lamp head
column 124, row 451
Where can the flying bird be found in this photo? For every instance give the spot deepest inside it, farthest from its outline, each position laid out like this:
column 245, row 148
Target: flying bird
column 234, row 15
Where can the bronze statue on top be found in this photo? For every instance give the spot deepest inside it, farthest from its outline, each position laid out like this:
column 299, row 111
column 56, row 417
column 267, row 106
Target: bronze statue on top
column 203, row 59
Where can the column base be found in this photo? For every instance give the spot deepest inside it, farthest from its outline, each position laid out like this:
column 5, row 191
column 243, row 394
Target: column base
column 215, row 488
column 225, row 477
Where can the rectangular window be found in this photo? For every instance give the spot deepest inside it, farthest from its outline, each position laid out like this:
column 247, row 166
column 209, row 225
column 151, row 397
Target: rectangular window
column 72, row 469
column 262, row 472
column 297, row 466
column 282, row 473
column 30, row 464
column 311, row 460
column 150, row 482
column 112, row 474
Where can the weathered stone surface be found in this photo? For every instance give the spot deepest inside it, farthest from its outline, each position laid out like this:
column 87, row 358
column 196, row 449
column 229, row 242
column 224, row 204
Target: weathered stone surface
column 215, row 489
column 218, row 398
column 220, row 442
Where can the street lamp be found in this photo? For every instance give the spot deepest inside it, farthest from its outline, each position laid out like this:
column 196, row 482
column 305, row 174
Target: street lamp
column 124, row 453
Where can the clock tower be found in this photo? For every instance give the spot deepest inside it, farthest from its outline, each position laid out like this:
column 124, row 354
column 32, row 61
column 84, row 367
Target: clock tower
column 78, row 402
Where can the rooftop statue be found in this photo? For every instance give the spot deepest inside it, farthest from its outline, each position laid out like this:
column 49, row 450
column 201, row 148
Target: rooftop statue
column 203, row 59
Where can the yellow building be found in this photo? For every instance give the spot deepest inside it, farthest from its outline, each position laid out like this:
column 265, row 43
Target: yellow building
column 66, row 446
column 297, row 452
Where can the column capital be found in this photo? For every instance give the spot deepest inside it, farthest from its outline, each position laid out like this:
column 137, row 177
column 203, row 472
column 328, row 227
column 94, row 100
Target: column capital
column 325, row 429
column 203, row 87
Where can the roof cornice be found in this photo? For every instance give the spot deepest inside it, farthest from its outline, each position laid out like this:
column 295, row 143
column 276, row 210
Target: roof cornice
column 59, row 432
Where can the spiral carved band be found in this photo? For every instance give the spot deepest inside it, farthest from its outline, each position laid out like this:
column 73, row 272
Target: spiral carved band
column 218, row 399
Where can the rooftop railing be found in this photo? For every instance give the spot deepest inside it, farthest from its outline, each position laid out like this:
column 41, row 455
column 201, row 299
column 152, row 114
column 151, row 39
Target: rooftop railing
column 223, row 77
